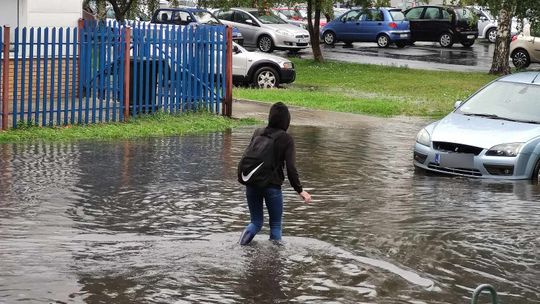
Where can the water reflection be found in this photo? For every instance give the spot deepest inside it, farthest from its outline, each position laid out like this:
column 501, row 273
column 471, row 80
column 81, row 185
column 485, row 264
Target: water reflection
column 157, row 220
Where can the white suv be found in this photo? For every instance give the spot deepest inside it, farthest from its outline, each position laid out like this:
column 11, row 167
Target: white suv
column 260, row 69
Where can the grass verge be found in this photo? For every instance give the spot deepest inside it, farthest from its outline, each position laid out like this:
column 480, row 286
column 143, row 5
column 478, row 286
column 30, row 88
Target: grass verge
column 372, row 89
column 158, row 124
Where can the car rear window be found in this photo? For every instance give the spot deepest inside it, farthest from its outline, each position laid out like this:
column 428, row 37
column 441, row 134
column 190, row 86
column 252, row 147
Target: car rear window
column 464, row 13
column 397, row 15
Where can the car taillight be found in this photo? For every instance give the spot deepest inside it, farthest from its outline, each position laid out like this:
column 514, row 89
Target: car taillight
column 514, row 38
column 392, row 25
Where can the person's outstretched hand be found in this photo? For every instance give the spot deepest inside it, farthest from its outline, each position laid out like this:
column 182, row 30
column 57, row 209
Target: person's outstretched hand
column 306, row 197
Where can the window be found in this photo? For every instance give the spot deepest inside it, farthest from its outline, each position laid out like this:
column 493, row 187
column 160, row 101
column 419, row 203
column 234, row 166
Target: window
column 414, row 13
column 267, row 17
column 374, row 15
column 241, row 17
column 164, row 16
column 181, row 18
column 447, row 14
column 206, row 18
column 351, row 16
column 432, row 13
column 225, row 15
column 397, row 15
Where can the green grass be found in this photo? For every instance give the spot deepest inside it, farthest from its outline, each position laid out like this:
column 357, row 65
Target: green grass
column 155, row 125
column 372, row 89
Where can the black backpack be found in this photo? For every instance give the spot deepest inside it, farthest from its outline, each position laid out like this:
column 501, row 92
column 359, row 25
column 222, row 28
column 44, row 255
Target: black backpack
column 258, row 164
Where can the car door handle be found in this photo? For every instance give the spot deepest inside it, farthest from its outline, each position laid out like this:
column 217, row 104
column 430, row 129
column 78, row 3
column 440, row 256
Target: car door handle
column 380, row 23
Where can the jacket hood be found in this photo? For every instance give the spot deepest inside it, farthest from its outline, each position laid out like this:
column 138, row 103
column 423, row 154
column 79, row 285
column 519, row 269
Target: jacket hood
column 279, row 116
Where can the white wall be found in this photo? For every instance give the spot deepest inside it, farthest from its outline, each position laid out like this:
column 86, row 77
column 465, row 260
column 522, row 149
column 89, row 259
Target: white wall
column 8, row 13
column 52, row 12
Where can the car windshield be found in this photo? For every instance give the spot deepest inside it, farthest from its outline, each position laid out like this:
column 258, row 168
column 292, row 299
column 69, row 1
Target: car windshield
column 267, row 17
column 505, row 100
column 206, row 17
column 397, row 15
column 292, row 14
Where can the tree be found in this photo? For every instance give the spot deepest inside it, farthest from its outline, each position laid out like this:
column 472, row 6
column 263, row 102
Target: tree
column 506, row 10
column 122, row 7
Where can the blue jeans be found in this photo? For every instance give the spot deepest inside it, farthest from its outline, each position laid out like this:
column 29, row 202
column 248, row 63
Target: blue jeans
column 273, row 197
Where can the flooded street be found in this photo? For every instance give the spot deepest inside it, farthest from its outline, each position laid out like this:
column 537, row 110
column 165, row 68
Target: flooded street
column 157, row 221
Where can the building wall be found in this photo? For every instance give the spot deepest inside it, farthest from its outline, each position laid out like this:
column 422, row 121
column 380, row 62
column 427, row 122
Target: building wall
column 8, row 13
column 53, row 12
column 40, row 13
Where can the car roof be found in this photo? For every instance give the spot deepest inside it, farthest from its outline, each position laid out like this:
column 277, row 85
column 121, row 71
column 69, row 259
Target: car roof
column 523, row 77
column 188, row 9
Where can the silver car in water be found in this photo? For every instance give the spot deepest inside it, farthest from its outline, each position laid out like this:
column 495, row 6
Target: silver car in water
column 495, row 133
column 265, row 30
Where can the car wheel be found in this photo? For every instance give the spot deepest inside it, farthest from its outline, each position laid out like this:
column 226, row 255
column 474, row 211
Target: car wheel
column 401, row 44
column 446, row 40
column 536, row 172
column 467, row 43
column 492, row 34
column 266, row 77
column 383, row 41
column 265, row 44
column 521, row 59
column 329, row 38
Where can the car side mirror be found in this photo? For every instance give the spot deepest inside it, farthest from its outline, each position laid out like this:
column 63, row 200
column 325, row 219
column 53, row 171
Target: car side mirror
column 457, row 104
column 249, row 21
column 236, row 50
column 483, row 18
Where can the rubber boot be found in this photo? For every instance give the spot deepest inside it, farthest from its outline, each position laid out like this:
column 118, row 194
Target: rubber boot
column 246, row 237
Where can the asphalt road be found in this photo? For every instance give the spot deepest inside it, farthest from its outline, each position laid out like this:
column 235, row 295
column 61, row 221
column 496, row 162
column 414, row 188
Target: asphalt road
column 422, row 55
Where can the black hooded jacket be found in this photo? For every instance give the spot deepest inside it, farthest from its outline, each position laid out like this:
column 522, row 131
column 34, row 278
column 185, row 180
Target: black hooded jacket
column 279, row 119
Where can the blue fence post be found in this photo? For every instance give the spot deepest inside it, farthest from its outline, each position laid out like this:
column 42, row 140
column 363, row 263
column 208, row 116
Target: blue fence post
column 127, row 37
column 38, row 77
column 1, row 75
column 74, row 72
column 31, row 77
column 23, row 72
column 15, row 77
column 227, row 102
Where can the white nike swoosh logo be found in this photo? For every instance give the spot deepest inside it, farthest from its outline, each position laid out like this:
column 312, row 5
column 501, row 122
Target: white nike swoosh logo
column 245, row 178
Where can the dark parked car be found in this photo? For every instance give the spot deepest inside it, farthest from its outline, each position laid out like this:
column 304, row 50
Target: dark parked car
column 382, row 25
column 185, row 16
column 443, row 24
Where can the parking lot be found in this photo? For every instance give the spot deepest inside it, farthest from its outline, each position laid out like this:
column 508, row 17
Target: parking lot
column 422, row 55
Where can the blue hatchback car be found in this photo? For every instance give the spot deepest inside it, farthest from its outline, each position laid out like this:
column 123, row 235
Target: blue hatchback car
column 382, row 25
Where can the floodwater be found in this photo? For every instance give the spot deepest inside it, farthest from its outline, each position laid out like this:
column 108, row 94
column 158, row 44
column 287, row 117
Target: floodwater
column 157, row 221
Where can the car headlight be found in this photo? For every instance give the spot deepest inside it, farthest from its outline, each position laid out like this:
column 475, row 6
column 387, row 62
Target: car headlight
column 506, row 150
column 423, row 138
column 282, row 32
column 287, row 65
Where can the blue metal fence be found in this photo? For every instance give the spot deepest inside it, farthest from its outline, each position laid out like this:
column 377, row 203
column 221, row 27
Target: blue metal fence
column 177, row 69
column 64, row 76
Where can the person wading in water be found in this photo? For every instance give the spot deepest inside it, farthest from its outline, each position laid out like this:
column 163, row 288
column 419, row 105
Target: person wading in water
column 261, row 170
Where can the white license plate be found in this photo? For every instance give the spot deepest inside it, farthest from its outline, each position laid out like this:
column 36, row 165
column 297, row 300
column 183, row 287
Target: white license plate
column 304, row 40
column 470, row 36
column 403, row 35
column 455, row 160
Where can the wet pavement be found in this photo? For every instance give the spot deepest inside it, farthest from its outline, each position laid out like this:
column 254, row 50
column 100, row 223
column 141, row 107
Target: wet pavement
column 157, row 220
column 423, row 55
